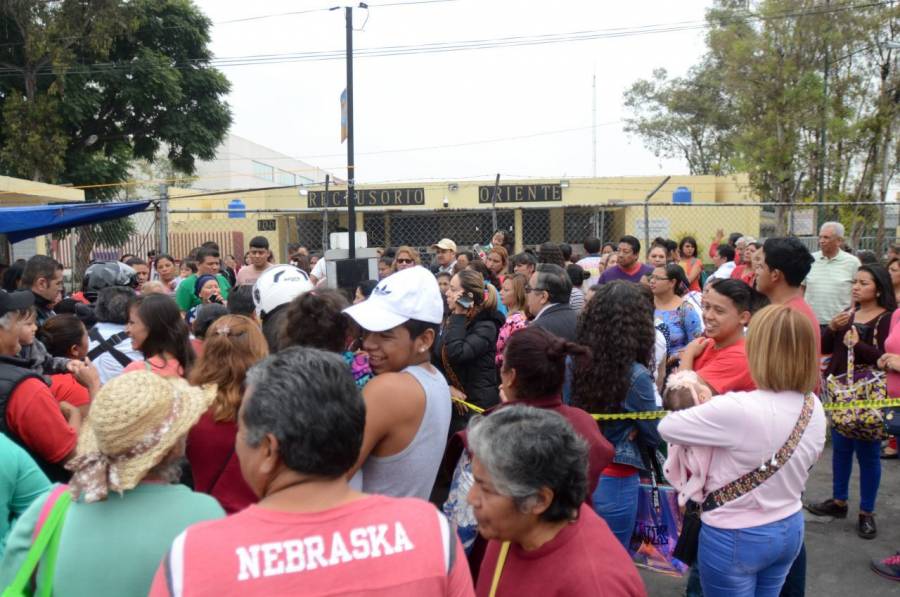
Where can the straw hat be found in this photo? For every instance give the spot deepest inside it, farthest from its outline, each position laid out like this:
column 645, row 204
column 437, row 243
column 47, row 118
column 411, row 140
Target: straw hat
column 133, row 424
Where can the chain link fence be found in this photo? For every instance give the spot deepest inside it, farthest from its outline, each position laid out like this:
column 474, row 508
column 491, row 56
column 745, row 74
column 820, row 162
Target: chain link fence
column 870, row 226
column 76, row 248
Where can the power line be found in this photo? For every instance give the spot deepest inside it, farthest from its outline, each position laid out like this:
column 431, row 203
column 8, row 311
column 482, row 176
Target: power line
column 463, row 45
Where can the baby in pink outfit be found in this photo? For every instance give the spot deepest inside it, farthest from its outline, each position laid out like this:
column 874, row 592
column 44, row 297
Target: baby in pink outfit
column 686, row 467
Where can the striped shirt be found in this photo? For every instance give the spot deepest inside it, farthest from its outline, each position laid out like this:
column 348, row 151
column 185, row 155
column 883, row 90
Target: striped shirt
column 829, row 283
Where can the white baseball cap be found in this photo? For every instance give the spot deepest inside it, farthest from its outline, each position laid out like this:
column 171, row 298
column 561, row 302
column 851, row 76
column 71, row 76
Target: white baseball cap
column 278, row 286
column 411, row 293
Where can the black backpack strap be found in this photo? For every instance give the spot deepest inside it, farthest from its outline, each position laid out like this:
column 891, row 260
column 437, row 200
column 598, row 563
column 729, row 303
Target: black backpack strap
column 108, row 345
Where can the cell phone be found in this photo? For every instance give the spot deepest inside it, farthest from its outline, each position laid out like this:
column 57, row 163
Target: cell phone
column 465, row 302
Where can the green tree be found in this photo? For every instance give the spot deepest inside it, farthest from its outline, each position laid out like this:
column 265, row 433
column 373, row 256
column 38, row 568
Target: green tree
column 687, row 118
column 810, row 100
column 90, row 87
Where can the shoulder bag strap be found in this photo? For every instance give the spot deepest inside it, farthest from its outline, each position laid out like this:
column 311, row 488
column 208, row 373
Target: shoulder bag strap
column 747, row 483
column 498, row 569
column 46, row 541
column 108, row 345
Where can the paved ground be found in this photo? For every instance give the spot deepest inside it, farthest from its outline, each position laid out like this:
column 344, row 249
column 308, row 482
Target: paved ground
column 837, row 560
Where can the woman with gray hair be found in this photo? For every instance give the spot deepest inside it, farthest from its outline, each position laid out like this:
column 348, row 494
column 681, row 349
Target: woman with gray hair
column 530, row 470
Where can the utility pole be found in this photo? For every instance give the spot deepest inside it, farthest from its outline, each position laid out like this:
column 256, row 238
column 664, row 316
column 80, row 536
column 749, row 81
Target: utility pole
column 823, row 134
column 325, row 216
column 594, row 128
column 494, row 203
column 351, row 168
column 163, row 247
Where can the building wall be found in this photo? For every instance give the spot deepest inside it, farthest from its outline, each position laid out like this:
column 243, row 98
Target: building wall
column 243, row 164
column 429, row 210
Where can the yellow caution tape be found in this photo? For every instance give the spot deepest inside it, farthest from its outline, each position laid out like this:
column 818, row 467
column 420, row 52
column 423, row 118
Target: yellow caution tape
column 659, row 414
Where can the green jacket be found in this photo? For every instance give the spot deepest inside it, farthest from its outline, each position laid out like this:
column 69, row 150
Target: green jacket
column 184, row 294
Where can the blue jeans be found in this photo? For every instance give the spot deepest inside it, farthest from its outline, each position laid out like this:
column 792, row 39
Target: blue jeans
column 616, row 502
column 749, row 562
column 868, row 454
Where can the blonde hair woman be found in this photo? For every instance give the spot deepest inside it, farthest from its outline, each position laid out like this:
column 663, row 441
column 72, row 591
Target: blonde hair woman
column 406, row 257
column 752, row 518
column 512, row 294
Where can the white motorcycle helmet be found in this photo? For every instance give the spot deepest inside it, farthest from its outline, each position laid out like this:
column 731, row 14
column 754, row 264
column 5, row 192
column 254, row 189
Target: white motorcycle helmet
column 278, row 286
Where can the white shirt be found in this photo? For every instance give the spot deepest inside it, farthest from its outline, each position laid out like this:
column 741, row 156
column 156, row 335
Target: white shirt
column 107, row 365
column 724, row 271
column 829, row 284
column 319, row 270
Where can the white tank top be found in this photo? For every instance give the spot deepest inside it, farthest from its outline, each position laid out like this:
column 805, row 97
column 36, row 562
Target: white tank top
column 412, row 471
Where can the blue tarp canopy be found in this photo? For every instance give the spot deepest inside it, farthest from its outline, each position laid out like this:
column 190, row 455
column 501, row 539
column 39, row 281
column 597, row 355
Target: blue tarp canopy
column 19, row 223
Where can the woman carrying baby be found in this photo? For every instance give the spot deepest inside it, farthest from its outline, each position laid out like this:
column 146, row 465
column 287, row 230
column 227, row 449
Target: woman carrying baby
column 752, row 521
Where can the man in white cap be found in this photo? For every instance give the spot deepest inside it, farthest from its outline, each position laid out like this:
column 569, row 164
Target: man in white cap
column 444, row 256
column 408, row 401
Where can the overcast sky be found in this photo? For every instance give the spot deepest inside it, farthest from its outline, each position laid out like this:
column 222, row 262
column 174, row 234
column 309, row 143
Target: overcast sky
column 457, row 98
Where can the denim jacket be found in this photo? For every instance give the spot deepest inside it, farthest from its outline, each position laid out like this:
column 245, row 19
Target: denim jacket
column 640, row 397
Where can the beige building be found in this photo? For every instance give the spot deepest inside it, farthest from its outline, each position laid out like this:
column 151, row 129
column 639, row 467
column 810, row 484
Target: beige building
column 17, row 192
column 421, row 213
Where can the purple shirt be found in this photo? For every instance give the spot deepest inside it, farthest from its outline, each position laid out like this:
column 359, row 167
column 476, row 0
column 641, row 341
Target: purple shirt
column 617, row 273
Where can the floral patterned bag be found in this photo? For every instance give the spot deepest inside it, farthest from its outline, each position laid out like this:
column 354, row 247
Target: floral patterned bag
column 859, row 383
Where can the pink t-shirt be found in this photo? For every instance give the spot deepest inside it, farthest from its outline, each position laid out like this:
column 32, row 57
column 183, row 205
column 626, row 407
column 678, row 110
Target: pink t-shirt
column 376, row 545
column 745, row 430
column 892, row 345
column 166, row 368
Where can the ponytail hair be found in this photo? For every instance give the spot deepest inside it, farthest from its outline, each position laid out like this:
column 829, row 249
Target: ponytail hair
column 675, row 273
column 539, row 359
column 483, row 296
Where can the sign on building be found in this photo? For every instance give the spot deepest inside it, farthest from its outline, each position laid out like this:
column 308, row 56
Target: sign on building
column 804, row 223
column 658, row 227
column 367, row 198
column 521, row 193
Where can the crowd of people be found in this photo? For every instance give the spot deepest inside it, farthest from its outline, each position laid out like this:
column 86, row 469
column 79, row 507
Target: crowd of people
column 216, row 428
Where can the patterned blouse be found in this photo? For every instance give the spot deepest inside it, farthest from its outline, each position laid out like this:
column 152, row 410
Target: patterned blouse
column 359, row 366
column 514, row 322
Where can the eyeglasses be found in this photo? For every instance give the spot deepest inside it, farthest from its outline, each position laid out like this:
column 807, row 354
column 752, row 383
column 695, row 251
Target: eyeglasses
column 529, row 289
column 660, row 278
column 404, row 261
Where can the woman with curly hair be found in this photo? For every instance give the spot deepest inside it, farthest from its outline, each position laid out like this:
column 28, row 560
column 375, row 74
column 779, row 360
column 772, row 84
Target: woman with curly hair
column 316, row 319
column 233, row 344
column 617, row 326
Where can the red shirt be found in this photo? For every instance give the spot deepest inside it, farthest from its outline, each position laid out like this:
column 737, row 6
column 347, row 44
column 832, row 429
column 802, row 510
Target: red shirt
column 600, row 451
column 373, row 546
column 214, row 465
column 725, row 370
column 33, row 415
column 799, row 304
column 584, row 559
column 65, row 388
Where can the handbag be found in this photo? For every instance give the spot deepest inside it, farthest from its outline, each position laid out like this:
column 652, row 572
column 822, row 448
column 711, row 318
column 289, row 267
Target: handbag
column 44, row 546
column 658, row 522
column 689, row 539
column 858, row 383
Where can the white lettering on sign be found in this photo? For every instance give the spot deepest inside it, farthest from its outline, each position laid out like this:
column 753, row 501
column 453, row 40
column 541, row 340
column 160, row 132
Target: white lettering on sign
column 316, row 551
